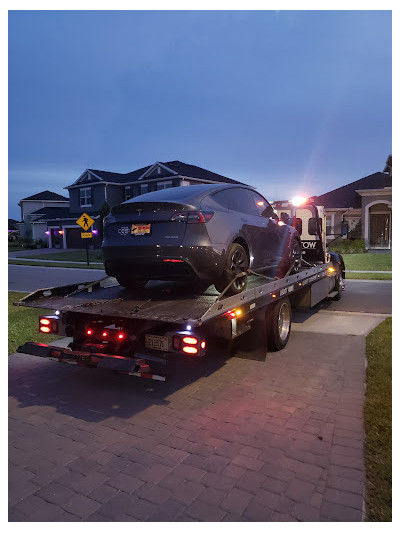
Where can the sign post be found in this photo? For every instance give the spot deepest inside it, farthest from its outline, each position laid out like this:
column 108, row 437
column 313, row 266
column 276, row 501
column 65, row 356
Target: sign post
column 86, row 222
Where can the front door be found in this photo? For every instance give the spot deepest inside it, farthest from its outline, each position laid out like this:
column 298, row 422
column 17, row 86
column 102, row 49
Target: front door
column 379, row 225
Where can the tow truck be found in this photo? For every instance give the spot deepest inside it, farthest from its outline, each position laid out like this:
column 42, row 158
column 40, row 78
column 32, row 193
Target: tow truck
column 140, row 332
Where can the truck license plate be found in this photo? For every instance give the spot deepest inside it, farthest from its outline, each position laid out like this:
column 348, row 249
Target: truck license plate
column 156, row 342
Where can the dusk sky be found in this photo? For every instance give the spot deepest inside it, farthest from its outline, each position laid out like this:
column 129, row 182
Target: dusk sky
column 291, row 102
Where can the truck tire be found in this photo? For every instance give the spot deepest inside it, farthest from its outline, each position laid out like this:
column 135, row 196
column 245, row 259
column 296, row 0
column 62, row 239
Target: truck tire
column 236, row 262
column 278, row 322
column 338, row 286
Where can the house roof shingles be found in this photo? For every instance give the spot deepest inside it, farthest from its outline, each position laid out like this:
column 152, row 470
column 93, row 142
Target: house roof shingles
column 347, row 196
column 47, row 195
column 182, row 169
column 50, row 213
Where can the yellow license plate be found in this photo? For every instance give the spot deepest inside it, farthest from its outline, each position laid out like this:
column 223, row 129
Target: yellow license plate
column 156, row 342
column 140, row 229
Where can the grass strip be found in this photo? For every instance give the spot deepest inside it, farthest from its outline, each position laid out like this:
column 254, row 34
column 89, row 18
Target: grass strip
column 378, row 424
column 54, row 264
column 76, row 255
column 366, row 275
column 23, row 324
column 368, row 261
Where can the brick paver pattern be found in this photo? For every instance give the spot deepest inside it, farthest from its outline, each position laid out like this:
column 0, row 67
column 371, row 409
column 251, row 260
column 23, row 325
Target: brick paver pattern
column 222, row 440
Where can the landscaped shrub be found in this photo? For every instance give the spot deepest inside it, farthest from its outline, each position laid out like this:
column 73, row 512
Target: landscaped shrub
column 355, row 233
column 348, row 246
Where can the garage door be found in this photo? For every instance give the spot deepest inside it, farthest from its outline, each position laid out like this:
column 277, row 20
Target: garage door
column 73, row 238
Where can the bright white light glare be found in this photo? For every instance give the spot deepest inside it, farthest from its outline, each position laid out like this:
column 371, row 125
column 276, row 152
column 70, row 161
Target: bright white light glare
column 189, row 328
column 299, row 200
column 57, row 313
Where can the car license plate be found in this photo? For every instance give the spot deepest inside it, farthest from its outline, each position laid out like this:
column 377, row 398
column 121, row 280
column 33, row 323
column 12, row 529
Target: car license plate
column 140, row 229
column 157, row 342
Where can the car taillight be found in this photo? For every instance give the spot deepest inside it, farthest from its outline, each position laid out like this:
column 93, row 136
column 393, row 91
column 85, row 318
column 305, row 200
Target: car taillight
column 193, row 217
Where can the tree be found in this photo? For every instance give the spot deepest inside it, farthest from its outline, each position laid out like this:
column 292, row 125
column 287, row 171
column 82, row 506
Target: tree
column 104, row 211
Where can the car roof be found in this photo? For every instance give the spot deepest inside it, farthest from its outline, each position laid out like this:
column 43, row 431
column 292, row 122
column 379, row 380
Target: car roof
column 187, row 194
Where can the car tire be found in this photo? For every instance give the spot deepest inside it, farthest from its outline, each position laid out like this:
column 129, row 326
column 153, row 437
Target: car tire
column 236, row 262
column 278, row 322
column 132, row 283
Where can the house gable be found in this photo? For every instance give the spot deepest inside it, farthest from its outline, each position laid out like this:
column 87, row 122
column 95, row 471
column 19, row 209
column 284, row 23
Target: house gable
column 158, row 170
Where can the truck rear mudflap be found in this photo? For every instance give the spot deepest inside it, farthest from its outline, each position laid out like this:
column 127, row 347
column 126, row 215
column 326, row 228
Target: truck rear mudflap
column 140, row 365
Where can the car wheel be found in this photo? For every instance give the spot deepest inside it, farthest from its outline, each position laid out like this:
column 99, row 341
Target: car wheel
column 236, row 263
column 278, row 321
column 132, row 283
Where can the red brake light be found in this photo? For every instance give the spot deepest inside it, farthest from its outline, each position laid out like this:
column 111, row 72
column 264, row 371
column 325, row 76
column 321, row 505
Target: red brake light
column 176, row 342
column 89, row 332
column 105, row 334
column 179, row 217
column 203, row 345
column 173, row 261
column 193, row 217
column 44, row 329
column 190, row 349
column 190, row 340
column 44, row 321
column 121, row 336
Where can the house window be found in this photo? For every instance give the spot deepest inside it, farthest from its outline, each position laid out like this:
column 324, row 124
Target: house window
column 144, row 187
column 329, row 224
column 164, row 185
column 85, row 196
column 128, row 193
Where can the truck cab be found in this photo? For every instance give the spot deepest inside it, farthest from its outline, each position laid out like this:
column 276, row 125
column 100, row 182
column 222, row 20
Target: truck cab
column 310, row 221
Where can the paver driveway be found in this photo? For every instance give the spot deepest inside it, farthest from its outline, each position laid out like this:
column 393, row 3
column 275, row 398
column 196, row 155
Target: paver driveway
column 223, row 440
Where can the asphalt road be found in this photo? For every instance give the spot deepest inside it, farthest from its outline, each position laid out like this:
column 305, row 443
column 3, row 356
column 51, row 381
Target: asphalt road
column 30, row 278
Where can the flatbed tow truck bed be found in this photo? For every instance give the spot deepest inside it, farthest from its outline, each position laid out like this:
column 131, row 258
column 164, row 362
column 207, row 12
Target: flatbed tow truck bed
column 169, row 319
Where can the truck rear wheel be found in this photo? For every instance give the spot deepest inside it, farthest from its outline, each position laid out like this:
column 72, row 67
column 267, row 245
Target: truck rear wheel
column 338, row 286
column 278, row 323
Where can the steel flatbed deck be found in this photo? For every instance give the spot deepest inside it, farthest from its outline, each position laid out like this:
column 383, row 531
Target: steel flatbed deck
column 172, row 303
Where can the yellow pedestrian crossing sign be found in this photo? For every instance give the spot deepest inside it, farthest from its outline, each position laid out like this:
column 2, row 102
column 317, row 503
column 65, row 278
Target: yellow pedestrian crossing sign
column 85, row 221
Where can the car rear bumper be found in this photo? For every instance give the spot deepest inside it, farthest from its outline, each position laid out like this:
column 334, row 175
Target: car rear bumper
column 163, row 263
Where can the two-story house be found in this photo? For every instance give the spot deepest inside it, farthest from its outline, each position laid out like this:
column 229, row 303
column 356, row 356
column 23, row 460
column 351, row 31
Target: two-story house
column 32, row 210
column 95, row 188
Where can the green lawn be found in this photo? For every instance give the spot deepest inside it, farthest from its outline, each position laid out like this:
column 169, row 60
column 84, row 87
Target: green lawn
column 23, row 324
column 76, row 255
column 358, row 275
column 368, row 261
column 378, row 424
